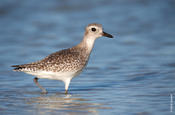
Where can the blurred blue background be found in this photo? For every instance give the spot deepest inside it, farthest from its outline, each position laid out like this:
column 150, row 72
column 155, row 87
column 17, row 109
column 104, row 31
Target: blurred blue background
column 134, row 73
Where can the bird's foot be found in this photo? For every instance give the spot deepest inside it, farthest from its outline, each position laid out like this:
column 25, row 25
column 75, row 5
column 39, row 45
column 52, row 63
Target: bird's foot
column 44, row 92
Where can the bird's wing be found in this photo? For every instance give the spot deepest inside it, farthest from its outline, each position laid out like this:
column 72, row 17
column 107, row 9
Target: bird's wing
column 64, row 60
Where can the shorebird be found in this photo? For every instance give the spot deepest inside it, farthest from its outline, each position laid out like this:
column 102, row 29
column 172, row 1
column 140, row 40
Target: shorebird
column 65, row 64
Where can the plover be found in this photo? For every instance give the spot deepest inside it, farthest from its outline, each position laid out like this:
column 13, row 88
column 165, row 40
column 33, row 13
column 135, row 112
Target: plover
column 65, row 64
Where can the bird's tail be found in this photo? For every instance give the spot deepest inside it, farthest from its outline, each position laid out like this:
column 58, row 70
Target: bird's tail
column 18, row 67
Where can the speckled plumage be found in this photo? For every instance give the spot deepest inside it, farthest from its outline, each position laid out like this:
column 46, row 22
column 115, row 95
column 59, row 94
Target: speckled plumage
column 72, row 59
column 65, row 64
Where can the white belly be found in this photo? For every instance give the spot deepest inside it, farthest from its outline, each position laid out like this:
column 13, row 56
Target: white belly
column 55, row 75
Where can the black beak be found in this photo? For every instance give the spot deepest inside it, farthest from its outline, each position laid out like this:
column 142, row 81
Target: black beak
column 107, row 35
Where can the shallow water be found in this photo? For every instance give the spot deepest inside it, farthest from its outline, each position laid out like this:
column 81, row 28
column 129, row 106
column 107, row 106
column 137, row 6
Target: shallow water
column 131, row 74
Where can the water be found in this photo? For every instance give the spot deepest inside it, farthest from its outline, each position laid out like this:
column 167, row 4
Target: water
column 131, row 74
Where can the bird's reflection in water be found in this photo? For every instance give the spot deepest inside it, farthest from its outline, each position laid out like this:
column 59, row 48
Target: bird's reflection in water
column 65, row 104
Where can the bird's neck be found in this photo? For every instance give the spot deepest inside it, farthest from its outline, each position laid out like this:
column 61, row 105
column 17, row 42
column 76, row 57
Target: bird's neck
column 87, row 43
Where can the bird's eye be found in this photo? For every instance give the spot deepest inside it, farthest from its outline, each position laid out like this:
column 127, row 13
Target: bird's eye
column 93, row 29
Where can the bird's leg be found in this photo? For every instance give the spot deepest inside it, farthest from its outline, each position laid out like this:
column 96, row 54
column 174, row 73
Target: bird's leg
column 66, row 92
column 36, row 82
column 67, row 82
